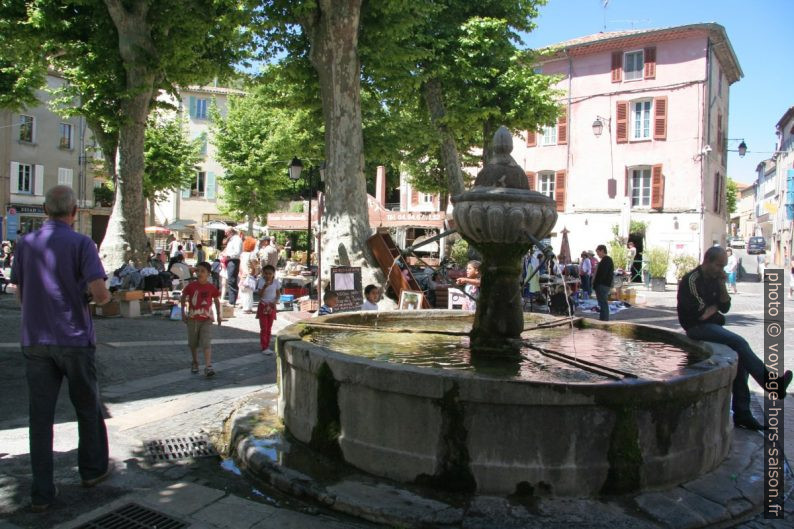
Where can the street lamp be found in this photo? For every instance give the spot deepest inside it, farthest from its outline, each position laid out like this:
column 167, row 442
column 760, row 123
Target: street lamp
column 598, row 125
column 295, row 169
column 742, row 149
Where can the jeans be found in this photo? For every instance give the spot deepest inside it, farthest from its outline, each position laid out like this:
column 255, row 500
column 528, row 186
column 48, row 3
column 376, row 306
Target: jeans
column 602, row 293
column 45, row 367
column 587, row 279
column 749, row 363
column 232, row 276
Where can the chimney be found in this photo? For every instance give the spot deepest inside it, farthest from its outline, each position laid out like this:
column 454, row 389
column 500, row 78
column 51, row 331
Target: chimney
column 380, row 185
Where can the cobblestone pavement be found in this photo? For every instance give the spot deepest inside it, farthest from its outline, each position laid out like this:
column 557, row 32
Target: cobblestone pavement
column 149, row 393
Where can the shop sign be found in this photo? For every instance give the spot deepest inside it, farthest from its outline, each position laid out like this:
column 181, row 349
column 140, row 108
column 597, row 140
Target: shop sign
column 26, row 210
column 12, row 224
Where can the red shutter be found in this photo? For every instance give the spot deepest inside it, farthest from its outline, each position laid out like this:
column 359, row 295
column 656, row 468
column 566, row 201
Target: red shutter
column 414, row 197
column 532, row 138
column 660, row 118
column 559, row 189
column 626, row 185
column 617, row 66
column 531, row 180
column 657, row 187
column 562, row 127
column 650, row 63
column 719, row 132
column 622, row 122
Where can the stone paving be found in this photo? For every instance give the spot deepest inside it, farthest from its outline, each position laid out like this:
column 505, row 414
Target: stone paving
column 149, row 393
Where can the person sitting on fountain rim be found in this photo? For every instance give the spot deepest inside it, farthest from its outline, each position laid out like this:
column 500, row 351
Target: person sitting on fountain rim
column 702, row 302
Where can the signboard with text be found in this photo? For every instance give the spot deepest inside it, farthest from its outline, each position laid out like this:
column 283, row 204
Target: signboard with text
column 346, row 282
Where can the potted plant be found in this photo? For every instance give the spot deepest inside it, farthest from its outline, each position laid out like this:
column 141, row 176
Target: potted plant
column 658, row 259
column 684, row 263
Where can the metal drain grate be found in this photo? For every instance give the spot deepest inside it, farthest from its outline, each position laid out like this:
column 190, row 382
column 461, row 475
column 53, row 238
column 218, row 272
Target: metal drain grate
column 175, row 448
column 134, row 516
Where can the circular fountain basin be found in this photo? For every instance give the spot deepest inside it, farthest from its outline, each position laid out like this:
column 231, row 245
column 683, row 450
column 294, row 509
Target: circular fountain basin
column 535, row 423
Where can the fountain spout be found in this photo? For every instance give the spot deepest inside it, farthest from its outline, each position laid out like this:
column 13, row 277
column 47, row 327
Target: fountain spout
column 499, row 216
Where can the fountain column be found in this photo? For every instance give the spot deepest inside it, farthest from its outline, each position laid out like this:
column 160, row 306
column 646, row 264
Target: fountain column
column 499, row 216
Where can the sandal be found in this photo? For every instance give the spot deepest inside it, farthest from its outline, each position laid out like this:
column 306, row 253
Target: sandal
column 209, row 372
column 194, row 368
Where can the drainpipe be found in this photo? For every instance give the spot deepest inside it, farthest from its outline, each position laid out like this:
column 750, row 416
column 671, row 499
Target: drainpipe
column 707, row 133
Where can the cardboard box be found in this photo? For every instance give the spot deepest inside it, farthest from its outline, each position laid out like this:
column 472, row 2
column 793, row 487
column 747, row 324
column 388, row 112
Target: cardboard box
column 227, row 311
column 310, row 305
column 109, row 309
column 128, row 295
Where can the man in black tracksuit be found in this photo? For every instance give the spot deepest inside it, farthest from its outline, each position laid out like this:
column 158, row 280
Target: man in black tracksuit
column 602, row 282
column 702, row 302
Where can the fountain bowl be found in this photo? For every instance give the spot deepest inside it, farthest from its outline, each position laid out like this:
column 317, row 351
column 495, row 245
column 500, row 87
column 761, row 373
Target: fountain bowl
column 471, row 432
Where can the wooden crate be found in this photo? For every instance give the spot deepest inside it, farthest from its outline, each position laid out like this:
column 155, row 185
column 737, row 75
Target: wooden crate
column 110, row 309
column 310, row 305
column 128, row 295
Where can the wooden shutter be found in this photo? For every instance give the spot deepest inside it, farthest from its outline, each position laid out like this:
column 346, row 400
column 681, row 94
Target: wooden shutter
column 660, row 118
column 719, row 132
column 617, row 66
column 192, row 107
column 38, row 180
column 622, row 122
column 657, row 187
column 185, row 192
column 559, row 189
column 65, row 177
column 210, row 186
column 414, row 196
column 562, row 127
column 532, row 138
column 627, row 186
column 14, row 177
column 531, row 180
column 649, row 56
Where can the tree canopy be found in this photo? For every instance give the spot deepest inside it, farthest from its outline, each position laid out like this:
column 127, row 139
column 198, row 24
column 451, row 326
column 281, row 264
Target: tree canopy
column 171, row 158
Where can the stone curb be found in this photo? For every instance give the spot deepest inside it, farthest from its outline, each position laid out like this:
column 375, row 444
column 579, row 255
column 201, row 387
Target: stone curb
column 727, row 496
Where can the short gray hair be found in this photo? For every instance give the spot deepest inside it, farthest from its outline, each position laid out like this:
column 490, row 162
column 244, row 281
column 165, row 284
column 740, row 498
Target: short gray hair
column 713, row 253
column 60, row 201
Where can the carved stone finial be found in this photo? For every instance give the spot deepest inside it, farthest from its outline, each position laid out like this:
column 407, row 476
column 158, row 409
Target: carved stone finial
column 502, row 170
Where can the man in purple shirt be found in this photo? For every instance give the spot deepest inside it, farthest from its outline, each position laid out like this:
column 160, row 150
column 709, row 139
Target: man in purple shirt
column 55, row 269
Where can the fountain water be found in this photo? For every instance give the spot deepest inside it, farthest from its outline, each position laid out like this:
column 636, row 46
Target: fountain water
column 539, row 419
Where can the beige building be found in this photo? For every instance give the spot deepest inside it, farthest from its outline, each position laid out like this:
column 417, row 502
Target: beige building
column 783, row 211
column 38, row 150
column 742, row 221
column 199, row 203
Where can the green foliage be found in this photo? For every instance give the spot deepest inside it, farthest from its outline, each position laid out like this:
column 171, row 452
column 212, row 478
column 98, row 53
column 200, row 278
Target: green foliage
column 731, row 194
column 171, row 158
column 658, row 260
column 104, row 195
column 638, row 227
column 296, row 207
column 684, row 263
column 619, row 253
column 259, row 136
column 460, row 253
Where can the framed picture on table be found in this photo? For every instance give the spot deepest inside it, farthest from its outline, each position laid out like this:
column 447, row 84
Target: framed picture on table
column 410, row 300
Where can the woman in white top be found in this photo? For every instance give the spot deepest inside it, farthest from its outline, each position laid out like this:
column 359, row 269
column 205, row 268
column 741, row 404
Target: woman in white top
column 730, row 269
column 248, row 274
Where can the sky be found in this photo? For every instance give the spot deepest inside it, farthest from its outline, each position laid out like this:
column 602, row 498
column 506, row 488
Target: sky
column 759, row 31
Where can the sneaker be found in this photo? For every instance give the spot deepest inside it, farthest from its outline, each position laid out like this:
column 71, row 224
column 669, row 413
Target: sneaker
column 194, row 368
column 41, row 507
column 267, row 351
column 209, row 372
column 88, row 483
column 748, row 423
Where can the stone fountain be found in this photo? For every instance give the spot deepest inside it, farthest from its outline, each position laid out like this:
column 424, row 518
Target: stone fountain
column 540, row 421
column 501, row 217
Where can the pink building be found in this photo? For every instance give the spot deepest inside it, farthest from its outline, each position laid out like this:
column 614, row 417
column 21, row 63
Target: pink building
column 642, row 137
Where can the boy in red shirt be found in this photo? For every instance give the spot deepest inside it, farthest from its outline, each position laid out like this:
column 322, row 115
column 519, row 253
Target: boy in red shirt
column 200, row 296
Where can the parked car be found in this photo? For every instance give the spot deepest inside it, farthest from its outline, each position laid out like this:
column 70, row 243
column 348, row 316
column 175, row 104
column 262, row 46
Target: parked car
column 736, row 242
column 756, row 245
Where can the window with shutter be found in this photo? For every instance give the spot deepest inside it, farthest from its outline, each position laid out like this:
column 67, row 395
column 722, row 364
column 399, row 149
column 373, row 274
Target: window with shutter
column 633, row 65
column 546, row 184
column 657, row 187
column 660, row 118
column 562, row 127
column 719, row 132
column 549, row 136
column 532, row 138
column 617, row 66
column 38, row 180
column 531, row 180
column 192, row 106
column 211, row 188
column 640, row 187
column 14, row 177
column 560, row 189
column 65, row 176
column 622, row 122
column 641, row 119
column 650, row 63
column 26, row 128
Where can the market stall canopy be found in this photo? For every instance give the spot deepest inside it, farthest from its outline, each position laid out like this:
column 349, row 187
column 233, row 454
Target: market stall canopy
column 181, row 225
column 157, row 230
column 379, row 217
column 216, row 225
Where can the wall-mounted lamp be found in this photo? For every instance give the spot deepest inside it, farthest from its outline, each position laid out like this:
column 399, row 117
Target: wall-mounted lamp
column 598, row 125
column 675, row 223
